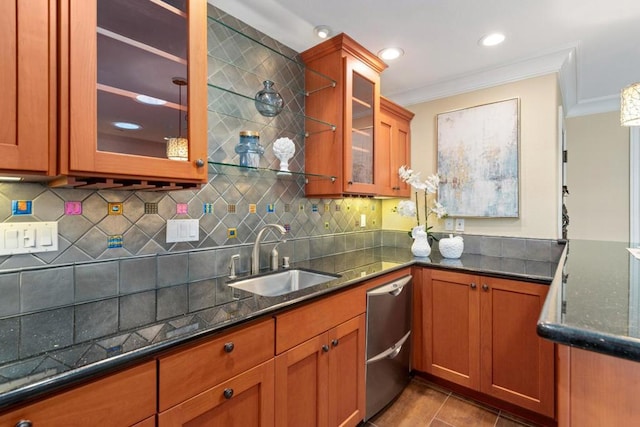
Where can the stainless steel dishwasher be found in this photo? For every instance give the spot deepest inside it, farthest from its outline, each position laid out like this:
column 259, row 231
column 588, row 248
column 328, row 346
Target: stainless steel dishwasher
column 388, row 343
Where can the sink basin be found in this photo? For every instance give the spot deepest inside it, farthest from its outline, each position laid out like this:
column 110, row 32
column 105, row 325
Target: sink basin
column 283, row 282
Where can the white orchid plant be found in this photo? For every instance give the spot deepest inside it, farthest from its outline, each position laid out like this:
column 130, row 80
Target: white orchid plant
column 409, row 208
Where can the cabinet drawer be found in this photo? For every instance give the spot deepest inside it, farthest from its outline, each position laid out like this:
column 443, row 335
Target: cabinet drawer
column 195, row 369
column 121, row 399
column 298, row 325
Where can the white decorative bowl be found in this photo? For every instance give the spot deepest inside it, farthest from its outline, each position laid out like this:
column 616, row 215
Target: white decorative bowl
column 451, row 247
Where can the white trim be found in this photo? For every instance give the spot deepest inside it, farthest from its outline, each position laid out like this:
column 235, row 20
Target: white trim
column 561, row 167
column 634, row 185
column 525, row 69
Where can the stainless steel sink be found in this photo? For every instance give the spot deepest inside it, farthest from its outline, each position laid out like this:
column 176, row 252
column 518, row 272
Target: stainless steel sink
column 283, row 282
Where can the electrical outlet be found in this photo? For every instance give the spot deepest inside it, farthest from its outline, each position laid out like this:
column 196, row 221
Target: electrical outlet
column 363, row 220
column 448, row 224
column 459, row 225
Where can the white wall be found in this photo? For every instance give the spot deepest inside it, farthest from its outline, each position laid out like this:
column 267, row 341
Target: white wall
column 539, row 156
column 598, row 177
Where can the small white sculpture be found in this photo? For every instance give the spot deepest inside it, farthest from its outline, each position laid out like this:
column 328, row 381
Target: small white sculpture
column 451, row 247
column 284, row 148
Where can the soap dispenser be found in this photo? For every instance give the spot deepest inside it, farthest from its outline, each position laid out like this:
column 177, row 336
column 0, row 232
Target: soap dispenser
column 273, row 259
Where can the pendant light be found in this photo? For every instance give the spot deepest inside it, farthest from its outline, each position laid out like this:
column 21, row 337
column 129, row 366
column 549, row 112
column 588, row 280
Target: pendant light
column 630, row 105
column 178, row 147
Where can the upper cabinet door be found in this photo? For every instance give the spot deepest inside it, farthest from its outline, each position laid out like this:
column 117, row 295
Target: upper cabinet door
column 27, row 78
column 362, row 108
column 134, row 84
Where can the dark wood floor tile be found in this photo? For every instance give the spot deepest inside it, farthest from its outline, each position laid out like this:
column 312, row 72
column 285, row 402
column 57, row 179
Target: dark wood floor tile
column 416, row 406
column 461, row 413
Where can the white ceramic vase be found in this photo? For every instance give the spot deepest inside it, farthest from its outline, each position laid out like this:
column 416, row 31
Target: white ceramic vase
column 420, row 247
column 451, row 247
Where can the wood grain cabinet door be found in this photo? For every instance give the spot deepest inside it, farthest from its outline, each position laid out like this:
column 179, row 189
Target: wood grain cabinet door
column 517, row 365
column 245, row 400
column 346, row 372
column 27, row 78
column 393, row 144
column 451, row 327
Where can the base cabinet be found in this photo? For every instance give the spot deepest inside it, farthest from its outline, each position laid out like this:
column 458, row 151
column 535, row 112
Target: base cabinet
column 480, row 332
column 243, row 401
column 596, row 389
column 122, row 399
column 319, row 382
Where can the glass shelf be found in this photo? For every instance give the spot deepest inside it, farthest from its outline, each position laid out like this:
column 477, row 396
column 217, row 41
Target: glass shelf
column 245, row 110
column 236, row 170
column 329, row 81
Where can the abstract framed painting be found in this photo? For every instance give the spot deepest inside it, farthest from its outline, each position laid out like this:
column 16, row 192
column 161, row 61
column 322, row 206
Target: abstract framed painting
column 478, row 160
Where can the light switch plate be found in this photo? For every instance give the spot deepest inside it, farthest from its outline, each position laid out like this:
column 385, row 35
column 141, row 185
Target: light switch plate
column 448, row 224
column 459, row 225
column 183, row 230
column 28, row 237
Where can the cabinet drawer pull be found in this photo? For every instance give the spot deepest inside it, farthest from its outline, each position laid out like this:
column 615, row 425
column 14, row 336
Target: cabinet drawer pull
column 485, row 287
column 24, row 423
column 473, row 286
column 228, row 393
column 228, row 347
column 199, row 163
column 325, row 348
column 335, row 343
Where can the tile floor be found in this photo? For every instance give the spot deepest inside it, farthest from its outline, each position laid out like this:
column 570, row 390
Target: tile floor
column 423, row 404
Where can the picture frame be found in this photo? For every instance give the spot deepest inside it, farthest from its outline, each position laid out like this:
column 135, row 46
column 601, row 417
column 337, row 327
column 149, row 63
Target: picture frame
column 478, row 160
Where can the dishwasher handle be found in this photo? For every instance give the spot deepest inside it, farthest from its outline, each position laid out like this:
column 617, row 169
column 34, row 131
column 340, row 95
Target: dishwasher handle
column 392, row 351
column 393, row 288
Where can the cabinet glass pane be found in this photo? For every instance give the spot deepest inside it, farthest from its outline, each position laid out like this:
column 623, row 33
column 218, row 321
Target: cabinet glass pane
column 142, row 54
column 362, row 129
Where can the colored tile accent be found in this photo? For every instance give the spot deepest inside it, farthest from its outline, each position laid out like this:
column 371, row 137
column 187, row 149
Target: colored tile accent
column 301, row 207
column 287, row 227
column 231, row 208
column 252, row 208
column 232, row 233
column 150, row 208
column 114, row 208
column 314, row 208
column 337, row 208
column 207, row 208
column 73, row 208
column 182, row 208
column 287, row 207
column 115, row 241
column 21, row 207
column 271, row 208
column 326, row 225
column 327, row 207
column 348, row 208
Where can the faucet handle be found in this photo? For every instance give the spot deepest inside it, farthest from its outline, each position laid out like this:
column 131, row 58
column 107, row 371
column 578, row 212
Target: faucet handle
column 232, row 266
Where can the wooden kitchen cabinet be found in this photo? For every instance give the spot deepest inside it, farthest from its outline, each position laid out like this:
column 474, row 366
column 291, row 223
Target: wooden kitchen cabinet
column 320, row 362
column 110, row 53
column 351, row 152
column 480, row 332
column 187, row 372
column 122, row 399
column 28, row 81
column 246, row 400
column 394, row 147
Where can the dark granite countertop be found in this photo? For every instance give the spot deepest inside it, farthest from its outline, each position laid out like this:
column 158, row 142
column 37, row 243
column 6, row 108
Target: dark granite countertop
column 594, row 299
column 29, row 378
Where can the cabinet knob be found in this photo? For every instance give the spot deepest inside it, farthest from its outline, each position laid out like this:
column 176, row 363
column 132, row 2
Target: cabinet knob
column 335, row 343
column 325, row 348
column 485, row 287
column 199, row 163
column 350, row 182
column 228, row 393
column 24, row 423
column 473, row 286
column 228, row 347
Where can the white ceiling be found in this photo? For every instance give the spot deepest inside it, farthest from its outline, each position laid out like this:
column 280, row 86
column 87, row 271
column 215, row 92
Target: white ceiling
column 594, row 44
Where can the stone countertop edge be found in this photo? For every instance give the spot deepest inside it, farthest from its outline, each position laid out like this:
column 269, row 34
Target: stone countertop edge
column 551, row 327
column 32, row 391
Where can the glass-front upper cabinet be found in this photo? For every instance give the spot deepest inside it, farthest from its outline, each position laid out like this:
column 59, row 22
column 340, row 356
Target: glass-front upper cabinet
column 361, row 116
column 136, row 82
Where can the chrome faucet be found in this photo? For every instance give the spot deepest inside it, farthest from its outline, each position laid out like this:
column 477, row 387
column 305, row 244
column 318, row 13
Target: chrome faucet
column 255, row 254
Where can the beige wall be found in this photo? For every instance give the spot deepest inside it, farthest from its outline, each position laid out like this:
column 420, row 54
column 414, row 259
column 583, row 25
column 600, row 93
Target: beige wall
column 598, row 177
column 539, row 177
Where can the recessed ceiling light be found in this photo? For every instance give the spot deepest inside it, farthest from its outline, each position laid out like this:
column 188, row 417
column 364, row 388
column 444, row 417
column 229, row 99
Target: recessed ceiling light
column 390, row 53
column 491, row 39
column 150, row 100
column 127, row 125
column 322, row 31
